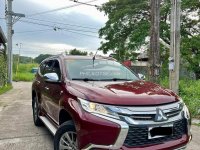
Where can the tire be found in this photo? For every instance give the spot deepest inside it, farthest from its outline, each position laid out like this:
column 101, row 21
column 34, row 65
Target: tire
column 67, row 129
column 36, row 118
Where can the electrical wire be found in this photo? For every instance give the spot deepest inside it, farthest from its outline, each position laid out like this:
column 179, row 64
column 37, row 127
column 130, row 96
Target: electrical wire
column 30, row 31
column 57, row 28
column 58, row 9
column 61, row 28
column 83, row 3
column 67, row 24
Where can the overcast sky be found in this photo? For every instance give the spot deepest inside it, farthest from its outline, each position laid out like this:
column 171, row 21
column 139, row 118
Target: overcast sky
column 78, row 29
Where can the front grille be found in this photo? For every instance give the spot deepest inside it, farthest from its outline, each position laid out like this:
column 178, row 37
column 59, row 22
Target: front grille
column 169, row 114
column 143, row 116
column 138, row 135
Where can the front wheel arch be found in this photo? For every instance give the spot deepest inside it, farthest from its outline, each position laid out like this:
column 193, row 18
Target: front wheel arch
column 64, row 116
column 66, row 127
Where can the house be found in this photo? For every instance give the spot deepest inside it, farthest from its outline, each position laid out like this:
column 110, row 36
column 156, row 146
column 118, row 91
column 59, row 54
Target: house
column 141, row 65
column 3, row 66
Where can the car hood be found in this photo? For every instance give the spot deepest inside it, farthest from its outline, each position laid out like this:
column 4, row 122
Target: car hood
column 135, row 93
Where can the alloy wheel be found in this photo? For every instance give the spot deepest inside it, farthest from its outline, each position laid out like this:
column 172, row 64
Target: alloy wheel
column 68, row 141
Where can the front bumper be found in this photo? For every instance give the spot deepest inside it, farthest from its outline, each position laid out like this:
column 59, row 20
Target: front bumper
column 101, row 132
column 119, row 141
column 179, row 144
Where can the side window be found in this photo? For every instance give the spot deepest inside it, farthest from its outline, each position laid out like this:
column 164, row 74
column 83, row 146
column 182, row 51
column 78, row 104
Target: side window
column 56, row 68
column 48, row 66
column 42, row 68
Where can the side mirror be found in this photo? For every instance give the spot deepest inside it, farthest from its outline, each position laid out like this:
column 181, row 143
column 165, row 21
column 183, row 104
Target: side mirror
column 51, row 77
column 141, row 76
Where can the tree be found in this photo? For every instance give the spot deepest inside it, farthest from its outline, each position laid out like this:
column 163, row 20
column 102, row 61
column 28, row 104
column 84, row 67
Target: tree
column 128, row 27
column 41, row 57
column 77, row 52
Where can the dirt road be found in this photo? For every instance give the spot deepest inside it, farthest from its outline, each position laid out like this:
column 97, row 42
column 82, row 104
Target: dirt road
column 17, row 131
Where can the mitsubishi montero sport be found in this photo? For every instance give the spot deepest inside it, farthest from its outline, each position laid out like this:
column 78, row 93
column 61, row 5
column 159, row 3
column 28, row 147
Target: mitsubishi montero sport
column 97, row 103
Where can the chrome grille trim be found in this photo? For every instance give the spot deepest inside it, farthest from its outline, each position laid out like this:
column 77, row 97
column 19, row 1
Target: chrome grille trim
column 146, row 114
column 149, row 109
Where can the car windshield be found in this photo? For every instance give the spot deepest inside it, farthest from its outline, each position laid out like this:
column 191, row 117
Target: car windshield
column 100, row 70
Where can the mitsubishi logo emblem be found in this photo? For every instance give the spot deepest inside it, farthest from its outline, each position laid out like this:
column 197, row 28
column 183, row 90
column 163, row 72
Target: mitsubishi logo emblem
column 160, row 115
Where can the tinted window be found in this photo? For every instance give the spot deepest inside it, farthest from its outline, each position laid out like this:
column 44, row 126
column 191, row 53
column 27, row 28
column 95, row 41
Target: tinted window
column 46, row 67
column 56, row 68
column 42, row 68
column 100, row 70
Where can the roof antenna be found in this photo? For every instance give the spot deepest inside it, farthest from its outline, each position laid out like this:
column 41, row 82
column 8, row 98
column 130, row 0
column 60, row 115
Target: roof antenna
column 94, row 57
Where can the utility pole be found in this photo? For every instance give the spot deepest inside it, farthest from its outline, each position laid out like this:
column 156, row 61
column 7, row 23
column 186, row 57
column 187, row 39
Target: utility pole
column 11, row 18
column 9, row 38
column 154, row 53
column 17, row 68
column 174, row 59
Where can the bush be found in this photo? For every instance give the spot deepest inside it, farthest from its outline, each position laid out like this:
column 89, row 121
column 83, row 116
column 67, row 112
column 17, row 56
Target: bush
column 189, row 90
column 190, row 93
column 24, row 72
column 3, row 70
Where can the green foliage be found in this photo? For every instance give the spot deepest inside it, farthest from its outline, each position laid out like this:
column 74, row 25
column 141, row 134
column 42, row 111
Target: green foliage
column 3, row 70
column 24, row 72
column 22, row 59
column 164, row 82
column 128, row 26
column 77, row 52
column 189, row 91
column 191, row 54
column 4, row 89
column 23, row 77
column 41, row 57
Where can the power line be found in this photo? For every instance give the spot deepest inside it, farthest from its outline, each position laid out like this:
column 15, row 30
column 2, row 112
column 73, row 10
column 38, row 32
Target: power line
column 76, row 1
column 58, row 9
column 81, row 33
column 67, row 24
column 30, row 31
column 65, row 29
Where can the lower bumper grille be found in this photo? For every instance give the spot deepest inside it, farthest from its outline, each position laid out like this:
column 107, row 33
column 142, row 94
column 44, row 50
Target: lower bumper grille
column 138, row 135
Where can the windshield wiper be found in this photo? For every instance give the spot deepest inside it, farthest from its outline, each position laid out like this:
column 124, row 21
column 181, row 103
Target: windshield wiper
column 84, row 79
column 116, row 79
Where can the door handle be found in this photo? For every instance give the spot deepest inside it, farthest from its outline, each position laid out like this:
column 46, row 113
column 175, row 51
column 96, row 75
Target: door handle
column 46, row 88
column 61, row 92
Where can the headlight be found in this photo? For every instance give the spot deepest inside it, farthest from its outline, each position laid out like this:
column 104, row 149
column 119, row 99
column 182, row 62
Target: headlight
column 186, row 112
column 101, row 109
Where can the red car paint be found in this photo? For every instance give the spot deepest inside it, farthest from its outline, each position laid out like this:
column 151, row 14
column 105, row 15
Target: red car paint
column 132, row 93
column 63, row 96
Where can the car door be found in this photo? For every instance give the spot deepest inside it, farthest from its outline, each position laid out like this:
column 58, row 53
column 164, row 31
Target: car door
column 54, row 93
column 45, row 86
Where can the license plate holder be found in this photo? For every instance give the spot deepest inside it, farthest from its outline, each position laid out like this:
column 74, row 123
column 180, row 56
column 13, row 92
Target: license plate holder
column 160, row 131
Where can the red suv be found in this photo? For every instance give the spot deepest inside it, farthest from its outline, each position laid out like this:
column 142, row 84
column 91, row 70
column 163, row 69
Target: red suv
column 97, row 103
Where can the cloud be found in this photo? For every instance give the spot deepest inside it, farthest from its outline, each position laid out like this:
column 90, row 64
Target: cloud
column 82, row 31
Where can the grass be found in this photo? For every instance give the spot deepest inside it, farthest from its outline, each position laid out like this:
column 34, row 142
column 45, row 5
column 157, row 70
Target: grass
column 4, row 89
column 190, row 93
column 189, row 90
column 24, row 72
